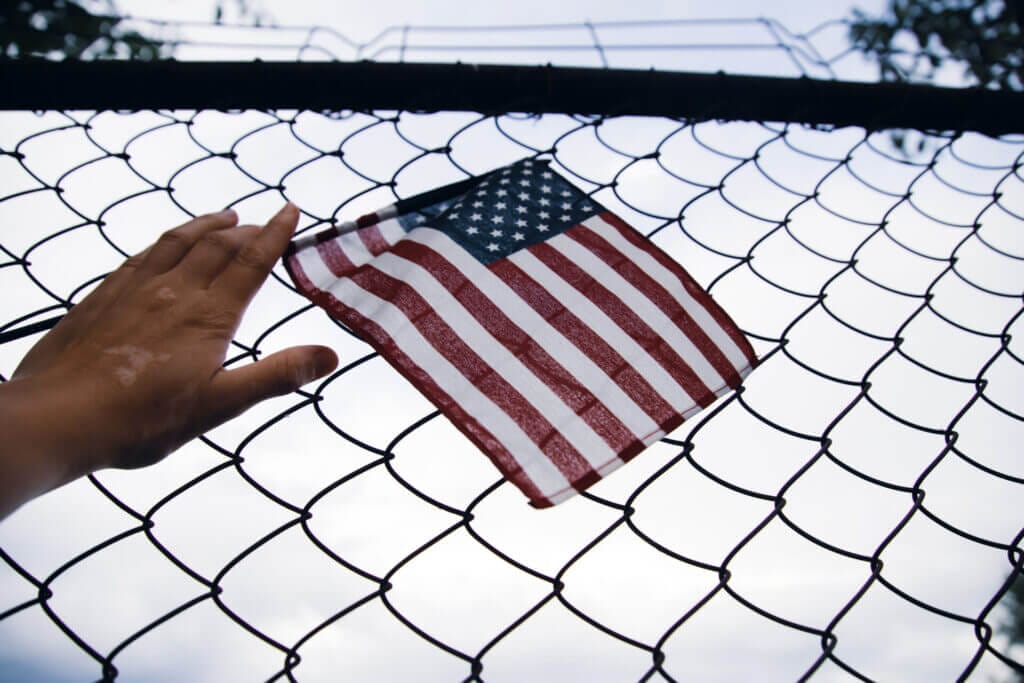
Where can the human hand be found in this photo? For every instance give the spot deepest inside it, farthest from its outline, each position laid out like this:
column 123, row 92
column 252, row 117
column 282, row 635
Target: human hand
column 135, row 370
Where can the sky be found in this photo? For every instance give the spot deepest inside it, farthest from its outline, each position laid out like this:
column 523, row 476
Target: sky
column 704, row 508
column 364, row 21
column 379, row 27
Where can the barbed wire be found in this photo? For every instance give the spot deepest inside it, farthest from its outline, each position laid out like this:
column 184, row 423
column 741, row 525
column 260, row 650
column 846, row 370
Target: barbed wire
column 733, row 45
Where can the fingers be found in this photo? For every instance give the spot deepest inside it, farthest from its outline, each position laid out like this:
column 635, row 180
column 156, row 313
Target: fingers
column 174, row 244
column 214, row 251
column 251, row 265
column 235, row 391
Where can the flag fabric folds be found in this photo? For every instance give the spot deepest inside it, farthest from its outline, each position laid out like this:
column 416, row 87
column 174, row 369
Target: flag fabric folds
column 550, row 332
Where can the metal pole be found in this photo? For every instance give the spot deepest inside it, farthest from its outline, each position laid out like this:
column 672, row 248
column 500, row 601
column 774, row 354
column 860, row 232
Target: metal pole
column 125, row 85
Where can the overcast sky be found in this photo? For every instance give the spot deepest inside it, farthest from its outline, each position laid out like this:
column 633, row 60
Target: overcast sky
column 458, row 591
column 363, row 21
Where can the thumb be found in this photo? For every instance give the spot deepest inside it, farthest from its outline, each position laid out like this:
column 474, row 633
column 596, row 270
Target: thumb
column 278, row 374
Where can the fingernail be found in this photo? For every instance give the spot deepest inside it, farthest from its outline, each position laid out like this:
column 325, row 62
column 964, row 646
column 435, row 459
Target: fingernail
column 324, row 361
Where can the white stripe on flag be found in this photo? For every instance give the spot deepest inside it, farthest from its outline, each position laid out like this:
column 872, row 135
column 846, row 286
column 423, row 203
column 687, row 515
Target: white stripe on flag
column 535, row 391
column 391, row 230
column 592, row 316
column 352, row 246
column 583, row 369
column 670, row 281
column 537, row 466
column 315, row 269
column 638, row 302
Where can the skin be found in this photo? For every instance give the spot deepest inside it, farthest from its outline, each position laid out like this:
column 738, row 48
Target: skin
column 135, row 370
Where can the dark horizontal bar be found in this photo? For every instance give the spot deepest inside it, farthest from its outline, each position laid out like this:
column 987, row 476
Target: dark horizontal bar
column 37, row 85
column 26, row 330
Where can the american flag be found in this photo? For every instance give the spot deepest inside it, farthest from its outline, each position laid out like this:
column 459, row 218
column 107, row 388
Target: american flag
column 551, row 333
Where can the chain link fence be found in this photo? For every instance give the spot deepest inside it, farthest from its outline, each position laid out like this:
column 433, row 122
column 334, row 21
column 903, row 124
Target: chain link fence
column 851, row 513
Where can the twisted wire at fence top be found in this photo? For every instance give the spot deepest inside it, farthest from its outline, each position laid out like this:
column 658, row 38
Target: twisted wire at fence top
column 751, row 263
column 762, row 44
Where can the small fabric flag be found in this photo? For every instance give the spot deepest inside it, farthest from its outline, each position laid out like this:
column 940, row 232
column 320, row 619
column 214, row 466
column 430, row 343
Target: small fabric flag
column 550, row 332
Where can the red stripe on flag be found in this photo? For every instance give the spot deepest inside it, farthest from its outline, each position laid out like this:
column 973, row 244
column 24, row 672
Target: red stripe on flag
column 627, row 320
column 421, row 379
column 302, row 281
column 334, row 258
column 489, row 381
column 695, row 290
column 587, row 341
column 374, row 241
column 368, row 219
column 548, row 370
column 658, row 295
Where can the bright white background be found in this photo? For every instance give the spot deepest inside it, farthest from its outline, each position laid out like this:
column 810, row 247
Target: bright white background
column 458, row 591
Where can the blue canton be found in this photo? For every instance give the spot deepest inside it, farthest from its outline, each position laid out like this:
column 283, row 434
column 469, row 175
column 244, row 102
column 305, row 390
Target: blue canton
column 508, row 210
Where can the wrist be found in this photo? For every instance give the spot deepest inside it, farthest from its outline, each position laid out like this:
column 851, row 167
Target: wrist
column 42, row 447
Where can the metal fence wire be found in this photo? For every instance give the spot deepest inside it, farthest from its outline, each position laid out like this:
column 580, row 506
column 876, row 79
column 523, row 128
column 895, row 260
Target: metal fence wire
column 851, row 513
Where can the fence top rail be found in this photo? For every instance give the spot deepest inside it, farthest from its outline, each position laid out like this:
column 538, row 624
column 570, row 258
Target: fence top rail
column 170, row 84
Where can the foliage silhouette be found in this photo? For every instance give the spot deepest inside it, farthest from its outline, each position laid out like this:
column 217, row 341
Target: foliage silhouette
column 90, row 29
column 916, row 38
column 1013, row 627
column 64, row 29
